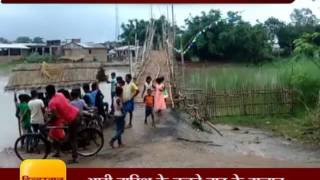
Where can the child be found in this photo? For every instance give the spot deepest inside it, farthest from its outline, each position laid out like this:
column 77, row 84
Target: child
column 160, row 103
column 77, row 102
column 119, row 117
column 120, row 82
column 147, row 85
column 149, row 102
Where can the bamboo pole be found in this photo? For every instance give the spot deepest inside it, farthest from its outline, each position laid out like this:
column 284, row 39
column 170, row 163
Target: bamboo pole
column 19, row 121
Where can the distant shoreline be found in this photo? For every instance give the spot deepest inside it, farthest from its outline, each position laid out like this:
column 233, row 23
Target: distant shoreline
column 5, row 68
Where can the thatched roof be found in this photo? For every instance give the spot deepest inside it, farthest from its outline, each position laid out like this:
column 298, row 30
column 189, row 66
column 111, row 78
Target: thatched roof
column 63, row 75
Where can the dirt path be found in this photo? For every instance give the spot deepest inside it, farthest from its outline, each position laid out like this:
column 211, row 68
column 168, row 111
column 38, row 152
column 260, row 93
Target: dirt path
column 162, row 147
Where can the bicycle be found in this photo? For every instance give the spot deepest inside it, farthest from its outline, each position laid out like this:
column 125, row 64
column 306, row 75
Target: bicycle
column 90, row 141
column 92, row 119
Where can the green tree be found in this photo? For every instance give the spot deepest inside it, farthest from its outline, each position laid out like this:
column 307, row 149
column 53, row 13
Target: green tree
column 37, row 40
column 23, row 39
column 302, row 21
column 303, row 17
column 131, row 29
column 230, row 38
column 3, row 40
column 273, row 26
column 137, row 28
column 308, row 44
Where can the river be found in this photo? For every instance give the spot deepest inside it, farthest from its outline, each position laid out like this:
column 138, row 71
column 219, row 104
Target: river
column 8, row 121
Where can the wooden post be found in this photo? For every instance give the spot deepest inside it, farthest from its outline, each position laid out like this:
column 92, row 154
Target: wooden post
column 130, row 60
column 16, row 104
column 181, row 51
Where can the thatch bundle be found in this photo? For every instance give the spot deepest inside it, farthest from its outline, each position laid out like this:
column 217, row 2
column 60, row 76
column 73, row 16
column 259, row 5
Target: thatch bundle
column 63, row 75
column 51, row 70
column 73, row 58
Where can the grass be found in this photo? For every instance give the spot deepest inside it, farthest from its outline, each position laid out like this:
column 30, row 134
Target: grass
column 7, row 67
column 301, row 74
column 234, row 76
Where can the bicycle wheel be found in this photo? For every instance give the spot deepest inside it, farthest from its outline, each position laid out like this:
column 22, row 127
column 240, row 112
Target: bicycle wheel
column 31, row 146
column 96, row 123
column 90, row 141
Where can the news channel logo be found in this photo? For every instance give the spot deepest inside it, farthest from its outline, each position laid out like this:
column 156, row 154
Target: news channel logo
column 43, row 169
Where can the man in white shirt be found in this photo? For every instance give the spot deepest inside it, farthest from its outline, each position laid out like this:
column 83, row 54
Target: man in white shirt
column 36, row 107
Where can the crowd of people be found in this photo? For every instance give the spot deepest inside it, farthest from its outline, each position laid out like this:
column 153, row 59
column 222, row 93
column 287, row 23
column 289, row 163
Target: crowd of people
column 114, row 97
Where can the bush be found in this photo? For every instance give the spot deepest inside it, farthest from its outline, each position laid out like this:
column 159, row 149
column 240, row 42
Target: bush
column 37, row 58
column 311, row 131
column 303, row 76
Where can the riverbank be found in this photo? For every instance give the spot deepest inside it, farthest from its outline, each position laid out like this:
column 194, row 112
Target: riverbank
column 5, row 68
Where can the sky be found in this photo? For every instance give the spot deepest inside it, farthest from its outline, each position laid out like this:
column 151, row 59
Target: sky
column 97, row 22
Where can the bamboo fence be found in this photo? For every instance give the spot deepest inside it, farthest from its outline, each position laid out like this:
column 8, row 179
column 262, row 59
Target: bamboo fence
column 213, row 103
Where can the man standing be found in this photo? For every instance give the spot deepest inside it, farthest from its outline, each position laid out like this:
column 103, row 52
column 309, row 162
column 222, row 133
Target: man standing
column 36, row 107
column 62, row 112
column 113, row 89
column 97, row 99
column 87, row 96
column 23, row 113
column 130, row 91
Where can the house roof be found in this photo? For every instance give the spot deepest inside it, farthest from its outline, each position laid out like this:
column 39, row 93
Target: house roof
column 14, row 46
column 125, row 48
column 62, row 75
column 34, row 44
column 91, row 45
column 112, row 51
column 88, row 45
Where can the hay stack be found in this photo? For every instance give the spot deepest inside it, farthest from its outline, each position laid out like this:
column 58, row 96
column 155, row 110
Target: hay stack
column 63, row 75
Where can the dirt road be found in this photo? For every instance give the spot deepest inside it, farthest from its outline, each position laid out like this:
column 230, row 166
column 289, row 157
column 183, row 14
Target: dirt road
column 163, row 147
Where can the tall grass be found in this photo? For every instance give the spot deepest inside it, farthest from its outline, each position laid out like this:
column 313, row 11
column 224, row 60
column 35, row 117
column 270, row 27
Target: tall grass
column 301, row 74
column 233, row 77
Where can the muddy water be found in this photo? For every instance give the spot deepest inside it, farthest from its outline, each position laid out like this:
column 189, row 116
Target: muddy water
column 8, row 122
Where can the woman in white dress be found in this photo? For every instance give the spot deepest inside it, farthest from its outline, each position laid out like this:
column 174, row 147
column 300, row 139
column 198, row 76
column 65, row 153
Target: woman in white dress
column 104, row 86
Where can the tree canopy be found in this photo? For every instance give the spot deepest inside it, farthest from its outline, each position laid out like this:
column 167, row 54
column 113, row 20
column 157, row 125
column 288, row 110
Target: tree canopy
column 217, row 36
column 308, row 44
column 227, row 38
column 3, row 40
column 26, row 39
column 37, row 40
column 23, row 39
column 138, row 29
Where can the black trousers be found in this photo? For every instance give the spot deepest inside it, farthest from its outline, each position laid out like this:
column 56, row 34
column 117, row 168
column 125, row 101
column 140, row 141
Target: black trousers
column 73, row 129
